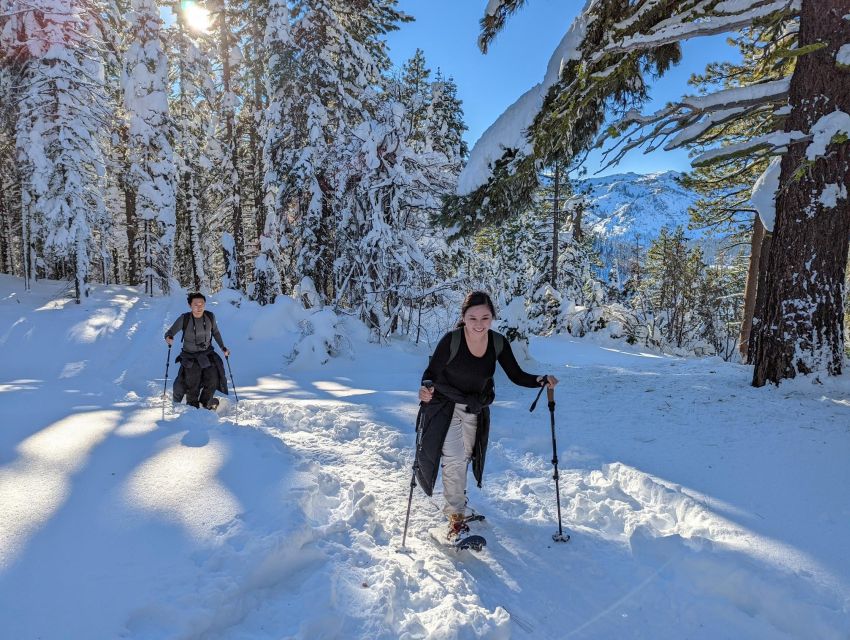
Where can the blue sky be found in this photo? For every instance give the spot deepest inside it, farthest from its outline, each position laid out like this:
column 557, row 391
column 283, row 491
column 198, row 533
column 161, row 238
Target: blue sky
column 447, row 31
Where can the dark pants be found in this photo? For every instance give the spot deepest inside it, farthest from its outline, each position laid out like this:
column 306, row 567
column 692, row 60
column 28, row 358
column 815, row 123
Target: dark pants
column 200, row 384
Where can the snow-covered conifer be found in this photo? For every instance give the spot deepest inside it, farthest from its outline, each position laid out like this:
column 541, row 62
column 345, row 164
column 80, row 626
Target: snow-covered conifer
column 277, row 130
column 152, row 170
column 61, row 161
column 225, row 27
column 193, row 90
column 445, row 122
column 388, row 189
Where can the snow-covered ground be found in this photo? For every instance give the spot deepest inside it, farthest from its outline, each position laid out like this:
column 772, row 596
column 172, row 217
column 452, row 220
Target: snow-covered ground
column 699, row 506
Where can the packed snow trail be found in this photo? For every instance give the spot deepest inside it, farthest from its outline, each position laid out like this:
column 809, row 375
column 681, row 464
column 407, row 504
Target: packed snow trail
column 699, row 507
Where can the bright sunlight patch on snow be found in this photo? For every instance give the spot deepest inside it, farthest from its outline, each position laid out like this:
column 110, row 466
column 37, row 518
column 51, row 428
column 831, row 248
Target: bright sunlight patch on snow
column 180, row 485
column 338, row 390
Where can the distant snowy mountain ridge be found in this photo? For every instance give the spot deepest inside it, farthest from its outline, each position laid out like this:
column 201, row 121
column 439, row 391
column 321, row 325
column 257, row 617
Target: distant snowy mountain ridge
column 628, row 205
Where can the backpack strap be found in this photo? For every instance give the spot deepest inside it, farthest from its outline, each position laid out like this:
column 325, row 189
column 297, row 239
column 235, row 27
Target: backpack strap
column 498, row 343
column 188, row 315
column 454, row 347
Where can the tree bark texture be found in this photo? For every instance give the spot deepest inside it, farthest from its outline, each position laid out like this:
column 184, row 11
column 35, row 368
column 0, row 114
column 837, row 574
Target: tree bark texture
column 750, row 289
column 802, row 328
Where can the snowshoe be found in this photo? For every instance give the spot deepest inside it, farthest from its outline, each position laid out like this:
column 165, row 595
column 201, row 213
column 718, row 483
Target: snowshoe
column 475, row 543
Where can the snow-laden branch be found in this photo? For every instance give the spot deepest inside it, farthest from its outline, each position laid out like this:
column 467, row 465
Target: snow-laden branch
column 696, row 19
column 508, row 132
column 691, row 118
column 771, row 144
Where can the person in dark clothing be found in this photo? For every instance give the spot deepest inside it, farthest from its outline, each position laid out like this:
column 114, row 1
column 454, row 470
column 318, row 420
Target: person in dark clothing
column 201, row 368
column 454, row 417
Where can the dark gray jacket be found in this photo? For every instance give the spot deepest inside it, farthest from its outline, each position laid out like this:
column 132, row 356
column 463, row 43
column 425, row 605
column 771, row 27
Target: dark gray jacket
column 199, row 332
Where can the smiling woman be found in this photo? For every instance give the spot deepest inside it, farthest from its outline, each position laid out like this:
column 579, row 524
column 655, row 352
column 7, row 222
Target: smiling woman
column 454, row 416
column 197, row 17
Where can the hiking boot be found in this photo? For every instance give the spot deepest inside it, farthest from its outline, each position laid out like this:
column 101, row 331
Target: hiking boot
column 212, row 405
column 457, row 527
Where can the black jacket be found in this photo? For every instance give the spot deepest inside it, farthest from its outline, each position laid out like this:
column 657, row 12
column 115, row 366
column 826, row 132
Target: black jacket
column 475, row 375
column 432, row 425
column 206, row 359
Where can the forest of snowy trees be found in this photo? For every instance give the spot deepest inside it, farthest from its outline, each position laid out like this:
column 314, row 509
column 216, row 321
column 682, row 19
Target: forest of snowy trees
column 272, row 150
column 275, row 150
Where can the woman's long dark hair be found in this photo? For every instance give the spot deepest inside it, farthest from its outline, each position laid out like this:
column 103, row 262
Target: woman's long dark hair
column 473, row 299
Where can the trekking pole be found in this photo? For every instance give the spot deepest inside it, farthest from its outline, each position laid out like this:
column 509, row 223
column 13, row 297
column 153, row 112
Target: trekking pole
column 550, row 395
column 560, row 536
column 165, row 384
column 233, row 384
column 428, row 385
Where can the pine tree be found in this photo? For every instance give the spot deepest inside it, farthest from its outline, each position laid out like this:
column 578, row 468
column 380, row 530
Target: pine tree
column 414, row 92
column 276, row 130
column 10, row 179
column 445, row 122
column 719, row 304
column 255, row 103
column 226, row 26
column 672, row 273
column 57, row 147
column 390, row 195
column 192, row 112
column 145, row 82
column 801, row 324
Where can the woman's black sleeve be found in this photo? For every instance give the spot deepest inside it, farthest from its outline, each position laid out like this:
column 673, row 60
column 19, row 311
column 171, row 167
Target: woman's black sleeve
column 438, row 360
column 512, row 368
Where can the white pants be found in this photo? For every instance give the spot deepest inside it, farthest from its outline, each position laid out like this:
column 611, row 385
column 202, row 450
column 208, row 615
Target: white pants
column 457, row 451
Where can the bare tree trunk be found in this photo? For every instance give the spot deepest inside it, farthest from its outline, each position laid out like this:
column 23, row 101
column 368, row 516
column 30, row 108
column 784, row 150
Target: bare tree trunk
column 761, row 294
column 556, row 206
column 325, row 250
column 116, row 272
column 258, row 23
column 148, row 259
column 802, row 331
column 132, row 232
column 750, row 289
column 5, row 233
column 194, row 231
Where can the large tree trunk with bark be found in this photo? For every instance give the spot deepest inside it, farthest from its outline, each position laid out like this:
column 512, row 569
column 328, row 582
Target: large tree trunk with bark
column 802, row 328
column 750, row 289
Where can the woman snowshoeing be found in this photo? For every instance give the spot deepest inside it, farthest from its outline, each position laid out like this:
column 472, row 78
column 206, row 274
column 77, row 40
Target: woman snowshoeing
column 454, row 418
